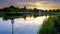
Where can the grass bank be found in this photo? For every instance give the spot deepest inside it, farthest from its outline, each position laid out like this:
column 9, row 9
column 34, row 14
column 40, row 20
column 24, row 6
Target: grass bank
column 51, row 25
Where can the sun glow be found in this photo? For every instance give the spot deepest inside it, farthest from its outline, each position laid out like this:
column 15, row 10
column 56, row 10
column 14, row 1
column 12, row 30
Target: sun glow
column 41, row 8
column 42, row 5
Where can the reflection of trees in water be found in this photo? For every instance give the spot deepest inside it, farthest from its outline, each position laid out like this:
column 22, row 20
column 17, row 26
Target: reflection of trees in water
column 13, row 13
column 12, row 21
column 7, row 12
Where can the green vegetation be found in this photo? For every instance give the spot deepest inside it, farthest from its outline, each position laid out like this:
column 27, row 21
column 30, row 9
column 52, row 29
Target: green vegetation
column 8, row 12
column 16, row 12
column 51, row 25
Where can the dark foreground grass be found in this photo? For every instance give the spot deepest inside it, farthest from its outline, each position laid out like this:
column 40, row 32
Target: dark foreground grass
column 51, row 25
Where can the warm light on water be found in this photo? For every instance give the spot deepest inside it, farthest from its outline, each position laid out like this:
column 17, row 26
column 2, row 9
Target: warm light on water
column 29, row 26
column 31, row 20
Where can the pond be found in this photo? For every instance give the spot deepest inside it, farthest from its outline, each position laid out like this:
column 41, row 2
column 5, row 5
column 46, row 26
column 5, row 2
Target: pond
column 29, row 26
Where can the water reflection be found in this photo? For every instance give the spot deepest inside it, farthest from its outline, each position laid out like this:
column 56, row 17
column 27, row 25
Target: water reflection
column 12, row 22
column 21, row 26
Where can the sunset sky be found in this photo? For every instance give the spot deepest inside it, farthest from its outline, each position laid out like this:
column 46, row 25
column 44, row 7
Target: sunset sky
column 39, row 4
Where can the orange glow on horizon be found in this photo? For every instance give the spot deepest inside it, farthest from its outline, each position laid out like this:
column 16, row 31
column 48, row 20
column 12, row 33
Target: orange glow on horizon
column 40, row 5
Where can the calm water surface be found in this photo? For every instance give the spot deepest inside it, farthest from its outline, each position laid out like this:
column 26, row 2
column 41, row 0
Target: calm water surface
column 29, row 26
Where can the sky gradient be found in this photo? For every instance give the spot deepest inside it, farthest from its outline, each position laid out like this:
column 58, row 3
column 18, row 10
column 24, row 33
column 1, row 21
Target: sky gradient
column 40, row 4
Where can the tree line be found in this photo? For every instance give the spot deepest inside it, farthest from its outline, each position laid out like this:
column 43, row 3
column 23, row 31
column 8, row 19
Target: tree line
column 24, row 12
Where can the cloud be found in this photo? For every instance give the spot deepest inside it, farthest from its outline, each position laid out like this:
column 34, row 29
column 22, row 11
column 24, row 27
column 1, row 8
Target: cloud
column 32, row 3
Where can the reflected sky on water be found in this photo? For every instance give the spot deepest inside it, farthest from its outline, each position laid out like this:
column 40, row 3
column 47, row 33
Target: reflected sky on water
column 29, row 26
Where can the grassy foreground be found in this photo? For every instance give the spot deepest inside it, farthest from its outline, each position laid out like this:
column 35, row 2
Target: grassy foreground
column 51, row 25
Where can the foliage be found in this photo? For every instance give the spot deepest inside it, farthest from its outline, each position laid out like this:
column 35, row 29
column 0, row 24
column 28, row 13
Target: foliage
column 15, row 11
column 51, row 25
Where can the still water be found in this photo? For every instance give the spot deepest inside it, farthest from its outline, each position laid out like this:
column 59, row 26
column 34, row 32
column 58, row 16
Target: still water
column 29, row 26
